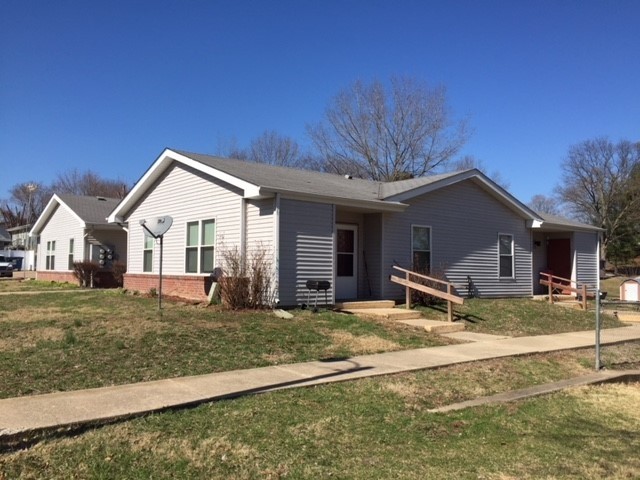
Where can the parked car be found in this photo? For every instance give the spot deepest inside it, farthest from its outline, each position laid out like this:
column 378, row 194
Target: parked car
column 6, row 267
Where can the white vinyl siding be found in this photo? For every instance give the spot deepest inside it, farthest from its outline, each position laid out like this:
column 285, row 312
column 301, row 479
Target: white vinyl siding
column 61, row 227
column 186, row 195
column 465, row 220
column 306, row 249
column 260, row 230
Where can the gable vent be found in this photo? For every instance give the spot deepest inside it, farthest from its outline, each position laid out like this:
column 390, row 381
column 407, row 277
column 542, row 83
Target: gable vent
column 101, row 199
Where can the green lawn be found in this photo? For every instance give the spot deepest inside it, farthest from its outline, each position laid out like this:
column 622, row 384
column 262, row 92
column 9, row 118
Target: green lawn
column 64, row 341
column 17, row 284
column 518, row 317
column 372, row 428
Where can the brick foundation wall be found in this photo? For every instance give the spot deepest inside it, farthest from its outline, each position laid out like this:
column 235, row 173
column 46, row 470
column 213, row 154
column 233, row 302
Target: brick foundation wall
column 101, row 280
column 50, row 276
column 191, row 287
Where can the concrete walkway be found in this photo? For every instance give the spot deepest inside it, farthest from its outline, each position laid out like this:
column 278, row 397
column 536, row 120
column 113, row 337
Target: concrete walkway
column 24, row 416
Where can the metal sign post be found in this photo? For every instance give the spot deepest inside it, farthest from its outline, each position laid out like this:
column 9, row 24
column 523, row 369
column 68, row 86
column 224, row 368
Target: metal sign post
column 598, row 363
column 157, row 227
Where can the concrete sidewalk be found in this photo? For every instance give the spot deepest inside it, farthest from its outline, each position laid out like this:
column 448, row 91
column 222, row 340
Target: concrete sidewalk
column 22, row 416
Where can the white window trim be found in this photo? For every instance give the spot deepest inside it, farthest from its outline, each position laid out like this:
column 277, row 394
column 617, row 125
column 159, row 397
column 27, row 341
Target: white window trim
column 71, row 253
column 513, row 256
column 199, row 246
column 51, row 254
column 415, row 225
column 145, row 235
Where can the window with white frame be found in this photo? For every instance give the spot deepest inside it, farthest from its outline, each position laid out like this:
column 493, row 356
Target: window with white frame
column 147, row 253
column 50, row 259
column 70, row 265
column 200, row 246
column 421, row 248
column 505, row 253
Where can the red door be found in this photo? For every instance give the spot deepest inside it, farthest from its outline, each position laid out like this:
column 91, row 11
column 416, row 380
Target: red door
column 559, row 257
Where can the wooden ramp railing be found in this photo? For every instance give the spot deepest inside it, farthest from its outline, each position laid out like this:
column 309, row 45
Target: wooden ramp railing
column 411, row 285
column 554, row 283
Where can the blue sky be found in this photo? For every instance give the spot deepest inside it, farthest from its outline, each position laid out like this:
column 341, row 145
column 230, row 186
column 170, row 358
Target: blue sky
column 108, row 85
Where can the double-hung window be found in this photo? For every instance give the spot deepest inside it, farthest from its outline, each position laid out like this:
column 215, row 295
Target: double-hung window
column 505, row 254
column 421, row 248
column 147, row 253
column 51, row 255
column 70, row 265
column 200, row 246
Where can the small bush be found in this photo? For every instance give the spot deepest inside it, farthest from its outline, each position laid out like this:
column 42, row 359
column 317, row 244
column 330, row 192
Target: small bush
column 153, row 292
column 85, row 272
column 118, row 270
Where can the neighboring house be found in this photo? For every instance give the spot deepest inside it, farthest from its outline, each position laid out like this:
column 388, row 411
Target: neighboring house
column 74, row 228
column 348, row 231
column 5, row 238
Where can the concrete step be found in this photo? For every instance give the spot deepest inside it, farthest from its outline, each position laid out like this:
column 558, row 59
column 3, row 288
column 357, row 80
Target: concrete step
column 364, row 304
column 435, row 326
column 386, row 313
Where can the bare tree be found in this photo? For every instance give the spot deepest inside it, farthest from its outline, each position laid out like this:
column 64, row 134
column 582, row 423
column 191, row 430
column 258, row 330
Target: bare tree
column 469, row 161
column 543, row 204
column 274, row 149
column 25, row 204
column 388, row 133
column 89, row 183
column 601, row 185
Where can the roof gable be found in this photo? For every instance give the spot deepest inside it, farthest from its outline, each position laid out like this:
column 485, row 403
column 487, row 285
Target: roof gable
column 86, row 210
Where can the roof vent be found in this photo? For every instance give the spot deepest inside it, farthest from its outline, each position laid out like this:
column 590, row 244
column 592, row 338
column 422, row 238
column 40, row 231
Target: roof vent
column 101, row 199
column 348, row 177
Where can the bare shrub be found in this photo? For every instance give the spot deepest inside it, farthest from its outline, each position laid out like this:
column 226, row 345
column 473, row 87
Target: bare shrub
column 427, row 299
column 246, row 282
column 85, row 272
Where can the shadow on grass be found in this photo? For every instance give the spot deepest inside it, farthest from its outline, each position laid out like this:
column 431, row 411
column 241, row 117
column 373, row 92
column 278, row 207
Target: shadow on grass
column 467, row 317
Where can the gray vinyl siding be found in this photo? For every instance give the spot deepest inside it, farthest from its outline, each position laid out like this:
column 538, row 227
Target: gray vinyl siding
column 61, row 227
column 306, row 248
column 372, row 253
column 586, row 258
column 186, row 195
column 465, row 222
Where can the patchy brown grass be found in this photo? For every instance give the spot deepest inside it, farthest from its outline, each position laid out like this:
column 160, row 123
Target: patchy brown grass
column 359, row 345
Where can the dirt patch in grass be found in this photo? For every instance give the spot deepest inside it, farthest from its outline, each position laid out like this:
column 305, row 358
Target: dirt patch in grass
column 618, row 400
column 31, row 338
column 278, row 358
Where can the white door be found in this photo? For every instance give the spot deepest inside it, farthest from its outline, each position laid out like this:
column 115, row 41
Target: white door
column 346, row 261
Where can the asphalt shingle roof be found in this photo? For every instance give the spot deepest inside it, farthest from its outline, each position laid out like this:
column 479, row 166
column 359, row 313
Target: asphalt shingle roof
column 94, row 210
column 311, row 182
column 564, row 222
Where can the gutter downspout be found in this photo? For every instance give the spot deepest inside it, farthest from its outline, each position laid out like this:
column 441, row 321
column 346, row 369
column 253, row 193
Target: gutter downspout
column 276, row 247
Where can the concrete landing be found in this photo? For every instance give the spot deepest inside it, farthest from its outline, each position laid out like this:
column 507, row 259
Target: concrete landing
column 385, row 313
column 435, row 326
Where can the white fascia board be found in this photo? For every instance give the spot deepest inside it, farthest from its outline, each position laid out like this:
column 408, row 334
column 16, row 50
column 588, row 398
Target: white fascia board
column 373, row 205
column 534, row 224
column 154, row 172
column 48, row 211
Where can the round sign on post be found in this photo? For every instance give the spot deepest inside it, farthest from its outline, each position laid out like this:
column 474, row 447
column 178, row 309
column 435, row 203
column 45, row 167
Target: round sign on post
column 157, row 227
